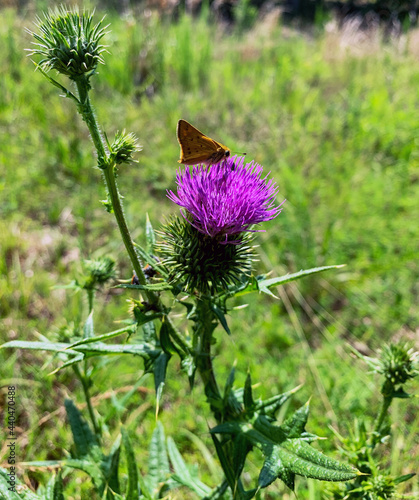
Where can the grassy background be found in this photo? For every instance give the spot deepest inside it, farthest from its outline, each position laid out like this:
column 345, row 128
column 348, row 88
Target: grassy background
column 333, row 116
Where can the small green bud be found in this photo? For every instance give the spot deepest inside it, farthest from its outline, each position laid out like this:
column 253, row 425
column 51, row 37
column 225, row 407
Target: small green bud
column 98, row 272
column 69, row 43
column 198, row 262
column 123, row 148
column 382, row 487
column 397, row 363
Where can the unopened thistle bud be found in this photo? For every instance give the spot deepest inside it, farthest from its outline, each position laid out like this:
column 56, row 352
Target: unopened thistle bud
column 397, row 363
column 123, row 148
column 69, row 43
column 98, row 271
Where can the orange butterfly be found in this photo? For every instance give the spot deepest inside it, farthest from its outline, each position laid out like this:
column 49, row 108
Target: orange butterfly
column 195, row 147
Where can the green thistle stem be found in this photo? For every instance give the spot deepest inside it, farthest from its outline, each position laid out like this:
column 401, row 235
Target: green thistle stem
column 87, row 113
column 90, row 298
column 204, row 328
column 85, row 384
column 375, row 436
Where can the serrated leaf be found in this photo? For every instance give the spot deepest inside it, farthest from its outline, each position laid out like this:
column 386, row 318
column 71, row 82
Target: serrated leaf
column 150, row 332
column 6, row 494
column 84, row 439
column 272, row 405
column 221, row 317
column 149, row 235
column 182, row 474
column 294, row 427
column 54, row 490
column 158, row 462
column 89, row 467
column 287, row 451
column 132, row 492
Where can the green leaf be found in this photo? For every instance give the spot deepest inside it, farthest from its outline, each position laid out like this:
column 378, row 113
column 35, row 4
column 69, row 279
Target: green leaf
column 287, row 450
column 406, row 477
column 159, row 372
column 158, row 462
column 155, row 287
column 225, row 463
column 165, row 341
column 132, row 492
column 182, row 474
column 84, row 439
column 272, row 405
column 67, row 93
column 264, row 285
column 147, row 257
column 234, row 483
column 90, row 468
column 259, row 283
column 54, row 490
column 110, row 465
column 130, row 329
column 149, row 235
column 38, row 346
column 248, row 401
column 88, row 328
column 229, row 385
column 221, row 317
column 24, row 492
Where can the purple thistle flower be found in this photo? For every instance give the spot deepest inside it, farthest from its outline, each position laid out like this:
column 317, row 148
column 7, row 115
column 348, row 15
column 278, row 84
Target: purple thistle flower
column 226, row 198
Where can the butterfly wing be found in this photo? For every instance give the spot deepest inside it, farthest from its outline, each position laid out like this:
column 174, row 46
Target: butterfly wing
column 195, row 147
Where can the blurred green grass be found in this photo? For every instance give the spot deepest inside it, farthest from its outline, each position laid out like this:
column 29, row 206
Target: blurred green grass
column 337, row 128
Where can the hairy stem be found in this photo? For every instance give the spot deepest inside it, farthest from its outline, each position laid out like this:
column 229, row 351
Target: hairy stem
column 204, row 328
column 87, row 113
column 375, row 436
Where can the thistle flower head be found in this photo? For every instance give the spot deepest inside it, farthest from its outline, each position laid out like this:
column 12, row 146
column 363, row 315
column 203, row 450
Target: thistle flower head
column 225, row 199
column 198, row 262
column 69, row 42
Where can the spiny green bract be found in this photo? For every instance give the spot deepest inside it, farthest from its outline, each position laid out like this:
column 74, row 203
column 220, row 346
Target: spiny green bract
column 198, row 262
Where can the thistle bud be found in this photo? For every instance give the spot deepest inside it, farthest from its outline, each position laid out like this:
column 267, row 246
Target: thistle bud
column 98, row 272
column 397, row 363
column 123, row 148
column 69, row 43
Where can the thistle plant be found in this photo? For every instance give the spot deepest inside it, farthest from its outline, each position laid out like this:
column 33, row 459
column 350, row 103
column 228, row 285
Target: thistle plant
column 201, row 261
column 397, row 364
